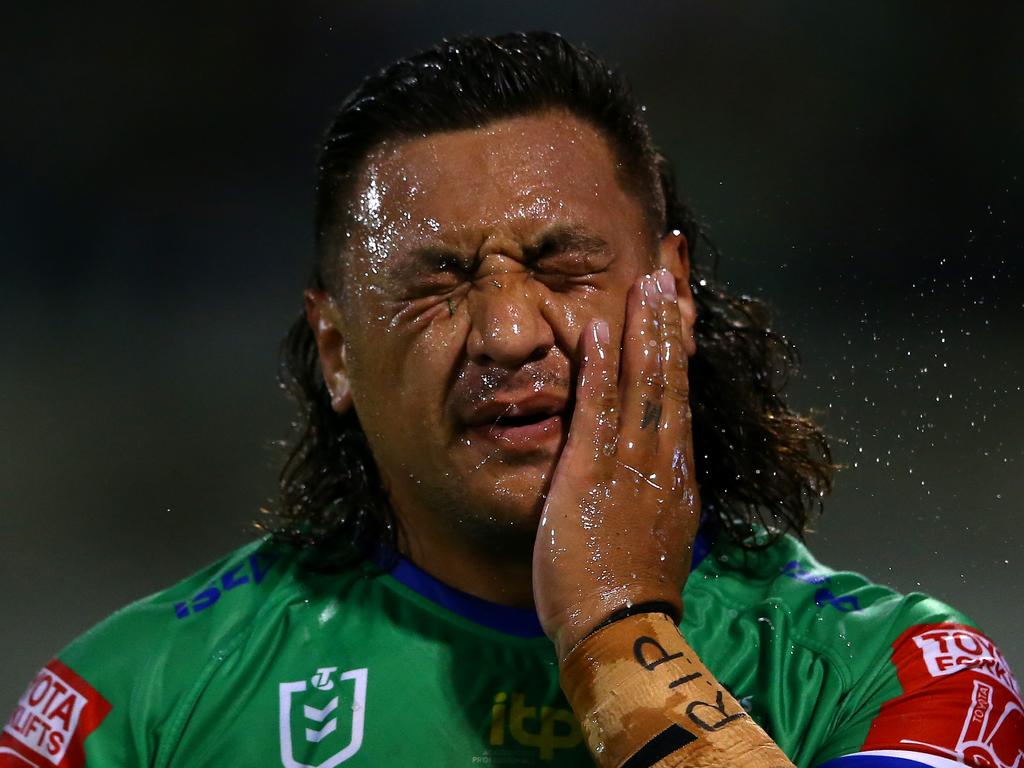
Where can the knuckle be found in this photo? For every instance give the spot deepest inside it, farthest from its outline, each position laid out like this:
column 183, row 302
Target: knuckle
column 673, row 335
column 604, row 402
column 677, row 394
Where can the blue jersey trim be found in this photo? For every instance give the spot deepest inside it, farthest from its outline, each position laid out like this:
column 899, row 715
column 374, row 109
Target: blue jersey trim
column 518, row 622
column 872, row 761
column 701, row 547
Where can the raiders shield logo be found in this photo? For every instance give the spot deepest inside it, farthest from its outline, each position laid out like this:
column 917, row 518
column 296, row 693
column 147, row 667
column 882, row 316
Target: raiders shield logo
column 321, row 720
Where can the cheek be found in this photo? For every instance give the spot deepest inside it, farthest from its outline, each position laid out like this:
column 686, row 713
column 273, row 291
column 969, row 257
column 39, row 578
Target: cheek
column 409, row 356
column 569, row 312
column 607, row 303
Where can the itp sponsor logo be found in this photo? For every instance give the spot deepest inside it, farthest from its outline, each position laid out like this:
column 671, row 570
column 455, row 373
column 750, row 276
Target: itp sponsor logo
column 52, row 718
column 331, row 717
column 547, row 729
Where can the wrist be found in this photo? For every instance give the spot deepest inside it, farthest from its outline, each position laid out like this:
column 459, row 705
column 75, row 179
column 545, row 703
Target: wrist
column 644, row 698
column 588, row 622
column 571, row 640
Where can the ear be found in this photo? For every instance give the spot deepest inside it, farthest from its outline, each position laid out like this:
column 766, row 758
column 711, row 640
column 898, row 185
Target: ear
column 674, row 255
column 324, row 319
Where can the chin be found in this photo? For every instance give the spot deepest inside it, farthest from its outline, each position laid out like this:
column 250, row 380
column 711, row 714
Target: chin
column 520, row 491
column 507, row 538
column 507, row 507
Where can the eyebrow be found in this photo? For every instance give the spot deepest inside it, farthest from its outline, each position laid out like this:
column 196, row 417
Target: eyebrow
column 563, row 237
column 411, row 263
column 566, row 237
column 434, row 252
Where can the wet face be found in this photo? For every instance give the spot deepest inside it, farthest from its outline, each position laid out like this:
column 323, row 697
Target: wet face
column 475, row 260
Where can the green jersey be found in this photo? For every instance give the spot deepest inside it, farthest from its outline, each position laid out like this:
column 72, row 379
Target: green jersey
column 262, row 660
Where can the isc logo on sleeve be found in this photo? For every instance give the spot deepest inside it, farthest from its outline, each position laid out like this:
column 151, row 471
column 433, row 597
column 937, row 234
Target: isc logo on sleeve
column 52, row 719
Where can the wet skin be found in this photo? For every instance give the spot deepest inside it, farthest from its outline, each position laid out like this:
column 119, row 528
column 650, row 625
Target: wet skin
column 470, row 284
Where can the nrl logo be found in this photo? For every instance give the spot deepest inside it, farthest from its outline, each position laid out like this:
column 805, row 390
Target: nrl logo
column 319, row 723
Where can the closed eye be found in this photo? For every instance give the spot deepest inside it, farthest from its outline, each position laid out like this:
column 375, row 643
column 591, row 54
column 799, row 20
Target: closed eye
column 433, row 271
column 570, row 252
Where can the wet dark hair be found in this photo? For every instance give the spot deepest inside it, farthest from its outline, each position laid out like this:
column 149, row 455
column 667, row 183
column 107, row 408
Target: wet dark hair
column 762, row 469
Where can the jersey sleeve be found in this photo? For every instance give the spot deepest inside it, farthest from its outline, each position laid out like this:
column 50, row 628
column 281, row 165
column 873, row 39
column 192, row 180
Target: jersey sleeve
column 115, row 696
column 99, row 702
column 940, row 693
column 52, row 719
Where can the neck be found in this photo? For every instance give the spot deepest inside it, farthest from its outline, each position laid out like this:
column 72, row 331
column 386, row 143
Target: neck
column 497, row 571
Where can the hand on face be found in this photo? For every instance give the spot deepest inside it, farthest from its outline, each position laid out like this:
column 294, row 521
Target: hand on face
column 623, row 508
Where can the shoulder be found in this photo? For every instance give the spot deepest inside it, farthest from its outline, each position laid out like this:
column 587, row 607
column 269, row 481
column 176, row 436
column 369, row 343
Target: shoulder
column 196, row 616
column 901, row 675
column 840, row 612
column 125, row 676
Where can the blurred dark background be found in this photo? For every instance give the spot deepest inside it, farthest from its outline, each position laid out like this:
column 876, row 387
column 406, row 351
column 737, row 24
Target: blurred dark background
column 858, row 165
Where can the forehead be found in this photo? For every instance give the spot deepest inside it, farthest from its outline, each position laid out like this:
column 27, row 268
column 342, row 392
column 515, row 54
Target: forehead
column 511, row 174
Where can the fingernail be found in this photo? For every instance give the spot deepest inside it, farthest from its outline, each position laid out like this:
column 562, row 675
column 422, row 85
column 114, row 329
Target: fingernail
column 601, row 332
column 667, row 283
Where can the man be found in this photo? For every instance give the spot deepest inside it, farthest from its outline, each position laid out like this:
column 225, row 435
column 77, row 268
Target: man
column 544, row 501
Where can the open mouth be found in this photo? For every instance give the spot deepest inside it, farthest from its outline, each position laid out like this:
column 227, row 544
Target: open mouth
column 522, row 420
column 523, row 426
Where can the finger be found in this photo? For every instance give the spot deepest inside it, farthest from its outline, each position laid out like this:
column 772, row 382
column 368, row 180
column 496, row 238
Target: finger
column 676, row 390
column 675, row 433
column 595, row 417
column 640, row 377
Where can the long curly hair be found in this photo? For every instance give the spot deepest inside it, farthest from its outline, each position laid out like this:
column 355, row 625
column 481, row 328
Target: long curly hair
column 762, row 469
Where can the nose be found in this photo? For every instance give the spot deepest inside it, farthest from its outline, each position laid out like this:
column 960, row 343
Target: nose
column 508, row 326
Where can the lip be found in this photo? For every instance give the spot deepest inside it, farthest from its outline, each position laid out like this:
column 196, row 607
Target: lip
column 521, row 437
column 544, row 415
